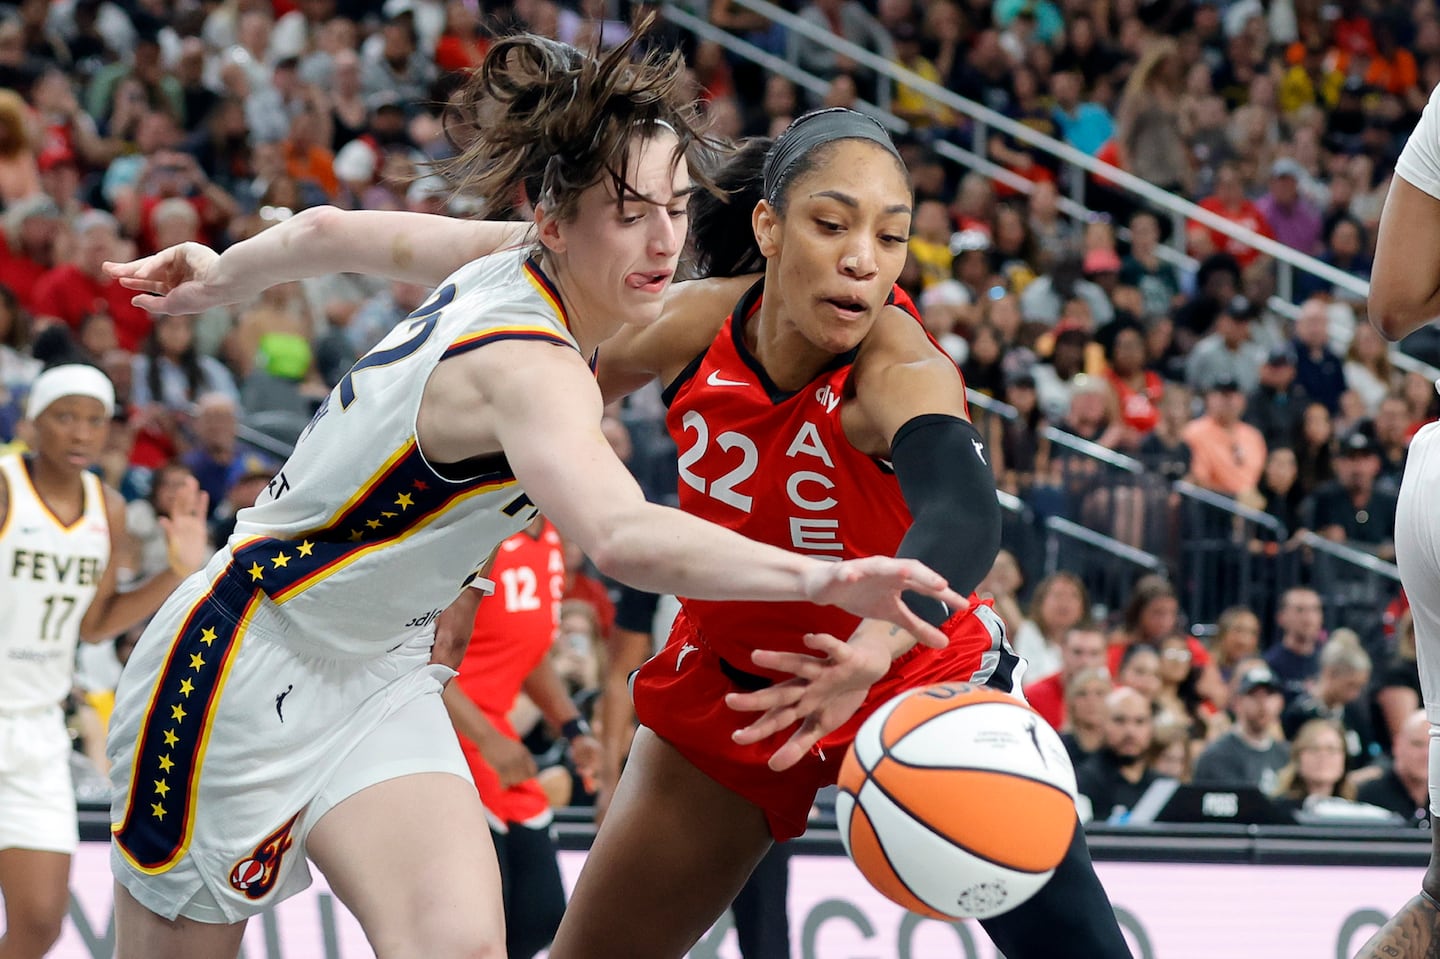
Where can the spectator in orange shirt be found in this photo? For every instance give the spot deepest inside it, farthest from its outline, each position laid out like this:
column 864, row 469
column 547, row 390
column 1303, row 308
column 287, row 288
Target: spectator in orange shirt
column 306, row 159
column 1228, row 201
column 1392, row 68
column 1227, row 455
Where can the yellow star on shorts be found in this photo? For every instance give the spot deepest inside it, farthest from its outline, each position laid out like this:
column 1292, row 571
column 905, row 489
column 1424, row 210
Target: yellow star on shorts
column 157, row 810
column 404, row 501
column 170, row 737
column 166, row 763
column 355, row 535
column 161, row 788
column 177, row 713
column 387, row 514
column 256, row 571
column 186, row 688
column 207, row 636
column 306, row 547
column 373, row 523
column 196, row 661
column 281, row 560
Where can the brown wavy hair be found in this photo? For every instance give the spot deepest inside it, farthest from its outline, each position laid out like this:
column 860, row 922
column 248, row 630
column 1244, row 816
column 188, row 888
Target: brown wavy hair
column 14, row 125
column 543, row 117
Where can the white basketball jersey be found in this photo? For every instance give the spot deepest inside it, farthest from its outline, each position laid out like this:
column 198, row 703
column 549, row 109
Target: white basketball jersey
column 48, row 576
column 358, row 540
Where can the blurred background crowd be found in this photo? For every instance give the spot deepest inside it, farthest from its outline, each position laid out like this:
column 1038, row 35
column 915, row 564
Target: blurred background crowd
column 1198, row 447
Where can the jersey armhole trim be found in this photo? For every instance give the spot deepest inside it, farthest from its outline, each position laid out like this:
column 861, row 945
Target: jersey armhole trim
column 667, row 396
column 476, row 340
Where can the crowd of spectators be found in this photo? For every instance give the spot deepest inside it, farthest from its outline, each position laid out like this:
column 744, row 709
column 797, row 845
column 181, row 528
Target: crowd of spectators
column 130, row 125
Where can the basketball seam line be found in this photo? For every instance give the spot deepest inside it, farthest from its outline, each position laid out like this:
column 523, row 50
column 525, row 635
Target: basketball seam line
column 930, row 829
column 981, row 769
column 894, row 870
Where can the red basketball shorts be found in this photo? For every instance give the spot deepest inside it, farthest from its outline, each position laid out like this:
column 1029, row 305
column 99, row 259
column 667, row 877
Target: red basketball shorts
column 680, row 695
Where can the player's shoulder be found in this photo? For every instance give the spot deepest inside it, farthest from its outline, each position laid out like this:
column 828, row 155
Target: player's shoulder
column 695, row 310
column 899, row 337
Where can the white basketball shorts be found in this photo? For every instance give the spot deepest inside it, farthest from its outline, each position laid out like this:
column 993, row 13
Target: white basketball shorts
column 37, row 798
column 229, row 742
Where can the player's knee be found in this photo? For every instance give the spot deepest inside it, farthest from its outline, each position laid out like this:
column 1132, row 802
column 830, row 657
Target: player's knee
column 455, row 938
column 33, row 932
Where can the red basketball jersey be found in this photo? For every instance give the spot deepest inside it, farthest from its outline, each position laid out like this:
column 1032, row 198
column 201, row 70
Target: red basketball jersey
column 777, row 467
column 513, row 631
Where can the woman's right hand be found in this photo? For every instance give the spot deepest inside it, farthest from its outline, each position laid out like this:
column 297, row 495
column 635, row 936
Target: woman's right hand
column 179, row 281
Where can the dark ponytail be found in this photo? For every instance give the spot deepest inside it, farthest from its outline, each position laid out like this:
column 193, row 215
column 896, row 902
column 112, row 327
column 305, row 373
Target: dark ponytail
column 722, row 239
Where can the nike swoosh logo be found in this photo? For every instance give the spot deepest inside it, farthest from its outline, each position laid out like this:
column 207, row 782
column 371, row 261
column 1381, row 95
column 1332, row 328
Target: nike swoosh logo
column 714, row 379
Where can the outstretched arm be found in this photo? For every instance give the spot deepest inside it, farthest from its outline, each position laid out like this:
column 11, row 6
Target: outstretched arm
column 553, row 442
column 418, row 248
column 911, row 407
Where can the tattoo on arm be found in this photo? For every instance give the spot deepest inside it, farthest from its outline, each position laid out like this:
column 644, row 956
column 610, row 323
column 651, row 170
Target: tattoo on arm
column 1414, row 933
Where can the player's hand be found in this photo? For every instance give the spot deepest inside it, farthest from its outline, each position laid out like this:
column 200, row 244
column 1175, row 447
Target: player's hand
column 511, row 761
column 187, row 535
column 871, row 588
column 826, row 691
column 179, row 280
column 587, row 754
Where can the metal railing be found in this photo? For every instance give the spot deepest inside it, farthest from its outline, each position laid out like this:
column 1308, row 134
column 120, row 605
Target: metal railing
column 1217, row 551
column 1226, row 556
column 1108, row 567
column 984, row 120
column 1354, row 586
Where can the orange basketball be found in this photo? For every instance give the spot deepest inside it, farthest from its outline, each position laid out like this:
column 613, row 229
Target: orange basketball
column 956, row 801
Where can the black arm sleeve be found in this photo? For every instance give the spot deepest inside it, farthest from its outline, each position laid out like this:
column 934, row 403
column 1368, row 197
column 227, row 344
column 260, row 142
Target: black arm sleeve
column 945, row 475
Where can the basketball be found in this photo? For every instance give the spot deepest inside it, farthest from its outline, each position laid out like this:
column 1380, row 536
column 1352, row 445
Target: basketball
column 956, row 801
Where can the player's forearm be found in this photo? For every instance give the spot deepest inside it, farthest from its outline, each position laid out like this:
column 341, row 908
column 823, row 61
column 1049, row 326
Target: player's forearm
column 662, row 550
column 418, row 248
column 121, row 611
column 466, row 717
column 547, row 692
column 894, row 640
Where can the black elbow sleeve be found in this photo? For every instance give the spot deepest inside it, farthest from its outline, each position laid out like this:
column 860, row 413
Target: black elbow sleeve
column 945, row 475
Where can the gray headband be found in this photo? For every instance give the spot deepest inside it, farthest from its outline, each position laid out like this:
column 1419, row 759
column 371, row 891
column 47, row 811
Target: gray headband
column 817, row 129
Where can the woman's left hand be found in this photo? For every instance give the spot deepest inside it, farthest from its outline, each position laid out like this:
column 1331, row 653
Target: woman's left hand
column 824, row 694
column 187, row 535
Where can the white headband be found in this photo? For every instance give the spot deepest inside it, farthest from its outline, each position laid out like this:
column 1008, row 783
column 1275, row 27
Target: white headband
column 72, row 379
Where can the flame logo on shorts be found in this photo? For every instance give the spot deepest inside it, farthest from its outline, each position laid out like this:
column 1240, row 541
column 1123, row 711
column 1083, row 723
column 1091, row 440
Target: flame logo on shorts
column 255, row 875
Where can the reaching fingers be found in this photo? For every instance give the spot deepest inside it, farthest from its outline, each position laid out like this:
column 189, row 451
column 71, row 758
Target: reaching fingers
column 924, row 633
column 827, row 644
column 944, row 594
column 796, row 746
column 771, row 697
column 156, row 287
column 151, row 303
column 119, row 270
column 766, row 726
column 800, row 664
